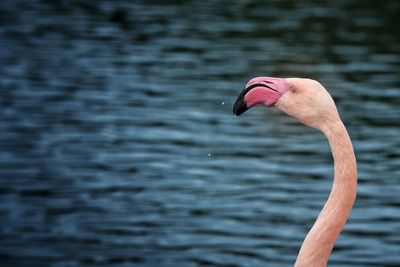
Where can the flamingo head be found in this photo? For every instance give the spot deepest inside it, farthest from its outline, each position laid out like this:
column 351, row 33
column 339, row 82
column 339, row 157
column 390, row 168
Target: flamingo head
column 305, row 99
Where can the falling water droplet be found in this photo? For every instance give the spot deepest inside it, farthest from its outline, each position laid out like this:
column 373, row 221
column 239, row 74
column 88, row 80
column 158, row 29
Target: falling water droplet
column 223, row 103
column 209, row 154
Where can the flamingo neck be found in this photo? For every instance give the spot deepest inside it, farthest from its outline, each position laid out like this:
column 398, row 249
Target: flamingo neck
column 319, row 242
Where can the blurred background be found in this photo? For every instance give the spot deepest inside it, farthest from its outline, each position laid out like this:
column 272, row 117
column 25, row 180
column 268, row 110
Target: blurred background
column 118, row 145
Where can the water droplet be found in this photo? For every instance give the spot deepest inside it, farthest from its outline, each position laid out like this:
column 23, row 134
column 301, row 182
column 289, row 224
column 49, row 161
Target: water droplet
column 209, row 154
column 223, row 103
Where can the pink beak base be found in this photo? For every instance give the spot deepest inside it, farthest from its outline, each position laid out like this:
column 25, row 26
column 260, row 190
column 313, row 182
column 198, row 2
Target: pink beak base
column 260, row 90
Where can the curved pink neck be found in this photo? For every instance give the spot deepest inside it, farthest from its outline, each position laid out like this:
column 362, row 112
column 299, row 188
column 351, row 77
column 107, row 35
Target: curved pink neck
column 319, row 242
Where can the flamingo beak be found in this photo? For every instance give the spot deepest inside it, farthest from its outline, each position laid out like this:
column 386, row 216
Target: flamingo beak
column 240, row 105
column 260, row 90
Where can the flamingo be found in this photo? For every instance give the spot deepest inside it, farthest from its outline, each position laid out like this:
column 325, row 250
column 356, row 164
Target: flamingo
column 308, row 101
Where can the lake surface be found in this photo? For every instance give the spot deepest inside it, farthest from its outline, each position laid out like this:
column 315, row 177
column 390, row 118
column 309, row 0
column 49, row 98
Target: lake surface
column 119, row 148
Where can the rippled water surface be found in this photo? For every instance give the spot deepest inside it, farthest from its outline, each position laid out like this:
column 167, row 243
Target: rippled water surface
column 119, row 148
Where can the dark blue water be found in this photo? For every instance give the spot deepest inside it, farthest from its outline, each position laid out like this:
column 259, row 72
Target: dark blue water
column 118, row 146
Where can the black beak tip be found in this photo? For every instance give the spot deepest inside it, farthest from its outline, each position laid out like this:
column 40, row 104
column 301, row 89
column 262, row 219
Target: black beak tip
column 240, row 106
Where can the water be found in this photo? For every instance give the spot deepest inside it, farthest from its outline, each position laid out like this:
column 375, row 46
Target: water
column 119, row 148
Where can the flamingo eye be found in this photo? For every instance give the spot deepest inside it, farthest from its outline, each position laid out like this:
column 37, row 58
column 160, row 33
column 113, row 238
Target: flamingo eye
column 292, row 88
